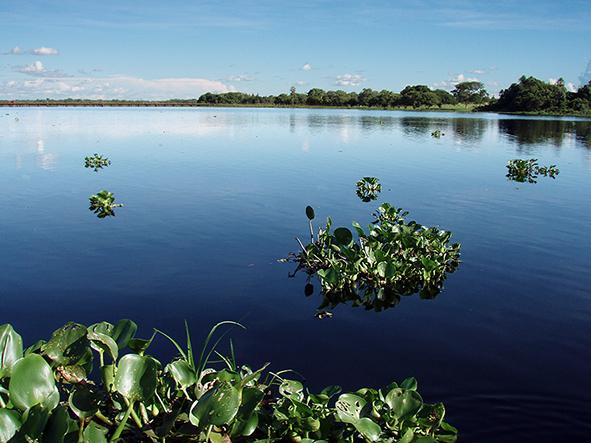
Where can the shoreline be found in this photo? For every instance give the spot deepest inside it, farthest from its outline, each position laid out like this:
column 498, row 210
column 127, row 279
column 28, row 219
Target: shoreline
column 188, row 104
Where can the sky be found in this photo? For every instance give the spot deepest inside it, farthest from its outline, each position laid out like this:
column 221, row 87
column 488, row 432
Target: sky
column 181, row 49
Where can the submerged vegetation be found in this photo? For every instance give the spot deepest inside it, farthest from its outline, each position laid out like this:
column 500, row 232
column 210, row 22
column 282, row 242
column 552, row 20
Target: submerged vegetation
column 103, row 204
column 79, row 387
column 368, row 188
column 393, row 258
column 528, row 170
column 96, row 162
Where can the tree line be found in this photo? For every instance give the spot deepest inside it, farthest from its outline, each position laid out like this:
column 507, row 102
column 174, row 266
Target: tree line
column 417, row 96
column 533, row 95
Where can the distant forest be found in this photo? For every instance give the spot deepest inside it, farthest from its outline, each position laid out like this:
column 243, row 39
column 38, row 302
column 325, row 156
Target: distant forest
column 528, row 95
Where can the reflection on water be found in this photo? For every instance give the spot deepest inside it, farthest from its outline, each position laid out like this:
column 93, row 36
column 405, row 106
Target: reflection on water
column 213, row 197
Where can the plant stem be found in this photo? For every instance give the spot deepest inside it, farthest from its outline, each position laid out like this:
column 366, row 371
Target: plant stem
column 208, row 432
column 121, row 426
column 102, row 418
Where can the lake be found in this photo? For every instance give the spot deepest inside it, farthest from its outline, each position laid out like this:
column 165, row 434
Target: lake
column 214, row 197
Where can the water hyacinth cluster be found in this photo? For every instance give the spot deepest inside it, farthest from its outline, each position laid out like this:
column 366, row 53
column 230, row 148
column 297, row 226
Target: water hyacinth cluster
column 522, row 171
column 96, row 162
column 390, row 259
column 368, row 189
column 98, row 384
column 103, row 204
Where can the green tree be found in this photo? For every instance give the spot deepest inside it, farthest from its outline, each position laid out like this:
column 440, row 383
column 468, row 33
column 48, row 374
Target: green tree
column 470, row 92
column 418, row 96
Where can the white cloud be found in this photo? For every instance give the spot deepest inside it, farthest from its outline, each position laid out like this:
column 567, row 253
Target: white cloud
column 477, row 71
column 15, row 51
column 241, row 78
column 349, row 79
column 301, row 83
column 453, row 81
column 37, row 69
column 34, row 68
column 44, row 51
column 125, row 87
column 307, row 67
column 570, row 87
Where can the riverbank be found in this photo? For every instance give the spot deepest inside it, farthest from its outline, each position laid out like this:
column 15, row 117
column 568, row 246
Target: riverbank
column 197, row 104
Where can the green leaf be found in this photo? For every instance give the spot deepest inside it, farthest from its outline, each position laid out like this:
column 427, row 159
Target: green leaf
column 292, row 389
column 409, row 383
column 10, row 423
column 404, row 403
column 349, row 408
column 11, row 349
column 368, row 428
column 95, row 433
column 58, row 426
column 32, row 383
column 101, row 342
column 343, row 236
column 217, row 407
column 182, row 373
column 136, row 378
column 84, row 402
column 34, row 422
column 123, row 332
column 310, row 212
column 68, row 346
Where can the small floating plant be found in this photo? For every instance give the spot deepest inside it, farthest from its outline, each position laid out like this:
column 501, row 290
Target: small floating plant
column 103, row 204
column 437, row 133
column 96, row 162
column 522, row 171
column 368, row 189
column 391, row 258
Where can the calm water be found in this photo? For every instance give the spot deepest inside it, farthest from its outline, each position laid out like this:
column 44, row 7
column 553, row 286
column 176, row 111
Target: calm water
column 213, row 197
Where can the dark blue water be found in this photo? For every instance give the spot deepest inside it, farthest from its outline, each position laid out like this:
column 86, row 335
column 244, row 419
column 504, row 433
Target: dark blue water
column 213, row 197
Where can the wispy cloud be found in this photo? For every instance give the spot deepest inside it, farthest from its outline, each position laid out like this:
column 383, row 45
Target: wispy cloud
column 37, row 69
column 43, row 50
column 241, row 78
column 307, row 67
column 450, row 83
column 14, row 51
column 125, row 87
column 349, row 80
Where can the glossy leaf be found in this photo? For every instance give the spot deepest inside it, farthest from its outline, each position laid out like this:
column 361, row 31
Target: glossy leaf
column 216, row 407
column 32, row 383
column 11, row 349
column 10, row 423
column 136, row 378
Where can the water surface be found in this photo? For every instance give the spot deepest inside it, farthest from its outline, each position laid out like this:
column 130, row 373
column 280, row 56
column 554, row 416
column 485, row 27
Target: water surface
column 213, row 197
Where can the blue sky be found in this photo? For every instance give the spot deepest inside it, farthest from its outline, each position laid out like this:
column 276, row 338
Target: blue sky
column 165, row 49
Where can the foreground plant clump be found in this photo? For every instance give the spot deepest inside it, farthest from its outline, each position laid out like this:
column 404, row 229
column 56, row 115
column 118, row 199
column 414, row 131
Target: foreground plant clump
column 368, row 188
column 103, row 204
column 96, row 162
column 527, row 170
column 49, row 393
column 392, row 258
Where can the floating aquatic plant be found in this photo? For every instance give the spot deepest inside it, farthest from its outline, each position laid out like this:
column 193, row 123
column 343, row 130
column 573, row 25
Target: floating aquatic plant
column 437, row 133
column 103, row 204
column 96, row 162
column 522, row 171
column 47, row 394
column 390, row 259
column 368, row 189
